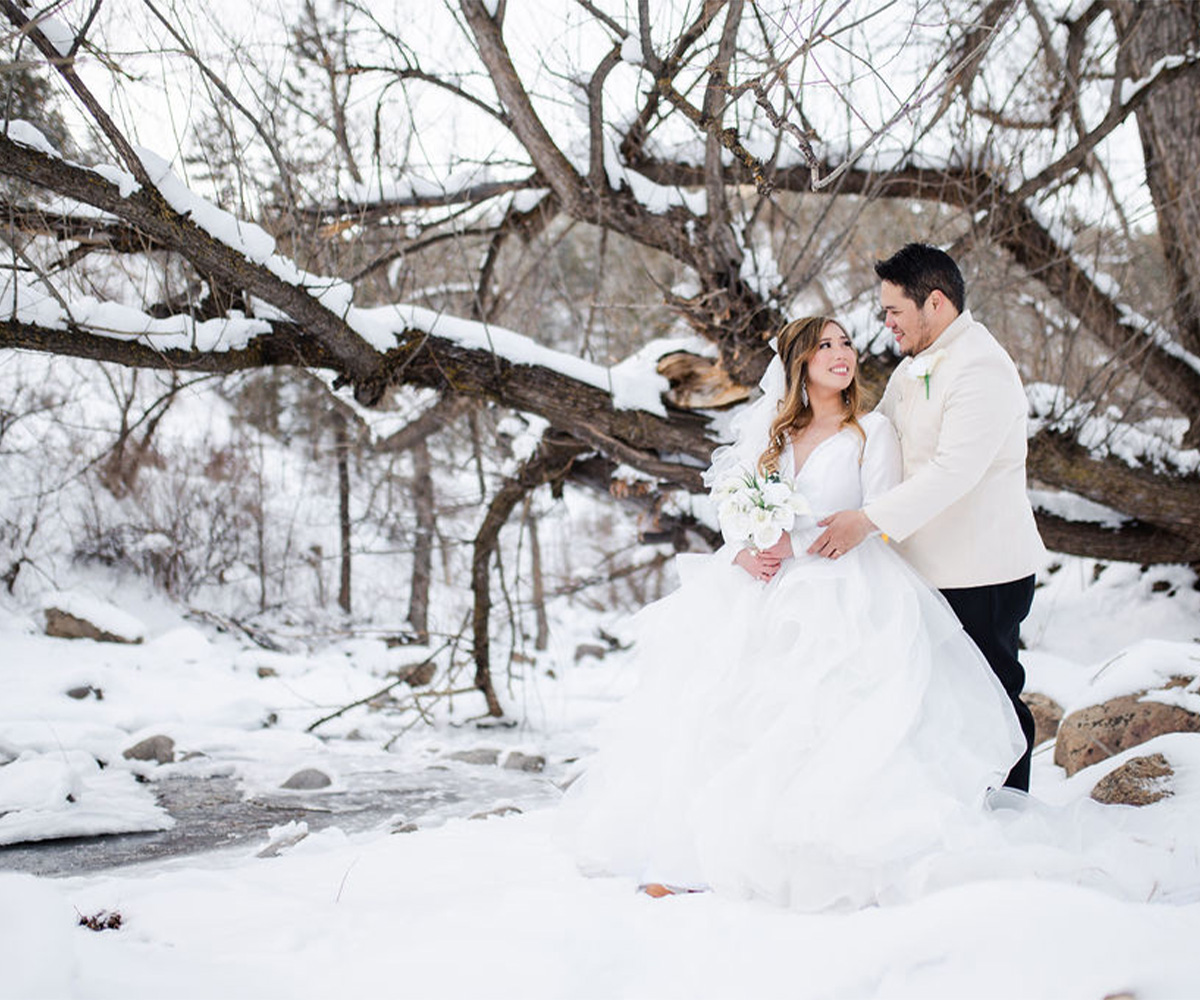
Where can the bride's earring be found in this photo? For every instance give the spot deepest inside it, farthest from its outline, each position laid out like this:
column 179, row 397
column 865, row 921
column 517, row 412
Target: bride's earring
column 803, row 391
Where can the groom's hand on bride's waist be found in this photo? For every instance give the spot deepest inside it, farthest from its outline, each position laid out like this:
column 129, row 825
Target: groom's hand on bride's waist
column 843, row 531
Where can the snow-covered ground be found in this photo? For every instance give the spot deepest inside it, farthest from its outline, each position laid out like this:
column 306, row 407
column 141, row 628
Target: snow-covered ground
column 495, row 906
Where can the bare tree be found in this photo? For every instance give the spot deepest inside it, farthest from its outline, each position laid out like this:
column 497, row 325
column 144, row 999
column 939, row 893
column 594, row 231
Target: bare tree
column 748, row 150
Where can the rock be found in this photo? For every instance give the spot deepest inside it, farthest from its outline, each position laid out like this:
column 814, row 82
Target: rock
column 308, row 780
column 517, row 761
column 1101, row 731
column 1047, row 714
column 498, row 811
column 483, row 755
column 280, row 838
column 63, row 625
column 157, row 748
column 421, row 675
column 590, row 649
column 1137, row 782
column 265, row 672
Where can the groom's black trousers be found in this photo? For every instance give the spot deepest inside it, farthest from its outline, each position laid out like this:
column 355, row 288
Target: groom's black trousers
column 992, row 617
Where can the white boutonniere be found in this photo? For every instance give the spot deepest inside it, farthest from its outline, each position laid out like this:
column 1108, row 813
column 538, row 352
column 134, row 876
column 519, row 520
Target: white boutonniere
column 923, row 367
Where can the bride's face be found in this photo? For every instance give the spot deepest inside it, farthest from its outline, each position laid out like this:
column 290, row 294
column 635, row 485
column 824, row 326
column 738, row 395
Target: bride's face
column 832, row 365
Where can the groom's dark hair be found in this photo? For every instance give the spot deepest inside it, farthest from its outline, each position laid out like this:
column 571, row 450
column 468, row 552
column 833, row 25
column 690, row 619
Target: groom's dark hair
column 919, row 268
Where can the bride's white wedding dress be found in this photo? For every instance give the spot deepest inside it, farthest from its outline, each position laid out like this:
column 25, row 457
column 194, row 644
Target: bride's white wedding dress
column 807, row 740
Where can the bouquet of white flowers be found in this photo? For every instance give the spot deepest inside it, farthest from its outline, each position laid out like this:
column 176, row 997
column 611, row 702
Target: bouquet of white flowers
column 757, row 510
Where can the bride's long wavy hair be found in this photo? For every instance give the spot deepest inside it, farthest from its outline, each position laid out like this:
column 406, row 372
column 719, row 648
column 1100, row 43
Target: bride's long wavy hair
column 796, row 343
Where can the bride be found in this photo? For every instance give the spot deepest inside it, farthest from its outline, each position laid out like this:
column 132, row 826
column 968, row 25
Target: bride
column 805, row 730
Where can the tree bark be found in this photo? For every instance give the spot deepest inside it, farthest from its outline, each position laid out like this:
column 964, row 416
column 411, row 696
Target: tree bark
column 342, row 453
column 551, row 461
column 1134, row 542
column 422, row 571
column 642, row 439
column 537, row 582
column 1171, row 503
column 1169, row 126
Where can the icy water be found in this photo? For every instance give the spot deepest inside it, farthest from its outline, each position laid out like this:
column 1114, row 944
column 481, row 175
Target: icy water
column 211, row 813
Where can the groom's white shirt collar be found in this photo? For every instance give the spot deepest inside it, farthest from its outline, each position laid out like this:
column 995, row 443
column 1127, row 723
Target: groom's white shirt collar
column 957, row 327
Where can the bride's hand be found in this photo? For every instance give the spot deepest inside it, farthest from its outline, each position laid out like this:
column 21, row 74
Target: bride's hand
column 782, row 549
column 760, row 565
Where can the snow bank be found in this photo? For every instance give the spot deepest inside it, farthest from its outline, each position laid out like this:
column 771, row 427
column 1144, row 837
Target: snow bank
column 345, row 917
column 66, row 794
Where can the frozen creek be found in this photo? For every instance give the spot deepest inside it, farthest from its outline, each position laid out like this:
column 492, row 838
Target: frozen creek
column 212, row 813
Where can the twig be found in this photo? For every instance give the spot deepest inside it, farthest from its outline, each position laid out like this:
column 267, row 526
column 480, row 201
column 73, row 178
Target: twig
column 382, row 691
column 342, row 884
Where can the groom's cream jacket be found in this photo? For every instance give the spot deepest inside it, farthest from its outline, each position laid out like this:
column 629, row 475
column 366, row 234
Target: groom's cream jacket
column 961, row 516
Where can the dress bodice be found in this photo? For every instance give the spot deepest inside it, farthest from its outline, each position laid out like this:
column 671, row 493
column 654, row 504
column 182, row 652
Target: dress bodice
column 843, row 472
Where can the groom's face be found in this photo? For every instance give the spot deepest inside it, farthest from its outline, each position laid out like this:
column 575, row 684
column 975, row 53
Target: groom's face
column 913, row 326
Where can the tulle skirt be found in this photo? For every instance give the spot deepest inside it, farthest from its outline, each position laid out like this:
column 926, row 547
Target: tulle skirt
column 808, row 740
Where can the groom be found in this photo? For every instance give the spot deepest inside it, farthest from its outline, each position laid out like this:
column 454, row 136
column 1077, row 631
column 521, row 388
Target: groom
column 961, row 516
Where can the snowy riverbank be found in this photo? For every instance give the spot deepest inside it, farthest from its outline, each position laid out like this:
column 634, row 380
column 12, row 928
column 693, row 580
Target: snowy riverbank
column 463, row 908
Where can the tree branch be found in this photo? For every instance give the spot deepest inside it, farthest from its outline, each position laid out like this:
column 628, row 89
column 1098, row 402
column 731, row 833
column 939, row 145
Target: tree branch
column 547, row 158
column 145, row 209
column 635, row 437
column 368, row 211
column 66, row 69
column 549, row 463
column 597, row 175
column 1168, row 502
column 1132, row 542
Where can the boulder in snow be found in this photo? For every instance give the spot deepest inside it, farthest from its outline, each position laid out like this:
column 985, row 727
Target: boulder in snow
column 308, row 780
column 1137, row 782
column 517, row 761
column 590, row 649
column 157, row 748
column 1047, row 714
column 1100, row 731
column 78, row 616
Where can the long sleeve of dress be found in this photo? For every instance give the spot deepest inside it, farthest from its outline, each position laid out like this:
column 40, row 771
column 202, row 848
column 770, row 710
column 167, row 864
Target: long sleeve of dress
column 882, row 464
